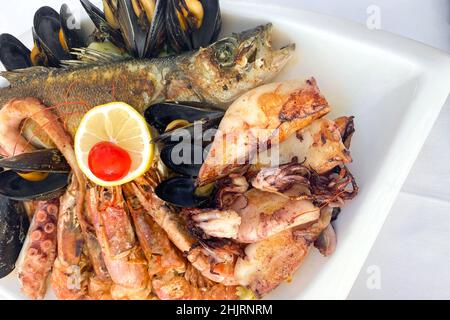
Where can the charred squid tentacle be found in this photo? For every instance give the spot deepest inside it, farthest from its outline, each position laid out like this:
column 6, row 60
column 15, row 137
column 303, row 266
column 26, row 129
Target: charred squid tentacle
column 39, row 250
column 264, row 215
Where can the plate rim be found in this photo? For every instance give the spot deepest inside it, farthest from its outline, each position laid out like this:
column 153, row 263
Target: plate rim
column 433, row 64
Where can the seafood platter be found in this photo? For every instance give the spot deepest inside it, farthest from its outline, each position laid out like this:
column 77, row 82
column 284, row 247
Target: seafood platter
column 148, row 153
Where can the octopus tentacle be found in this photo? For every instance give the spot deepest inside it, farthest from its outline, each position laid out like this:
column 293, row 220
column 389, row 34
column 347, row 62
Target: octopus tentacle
column 39, row 250
column 12, row 142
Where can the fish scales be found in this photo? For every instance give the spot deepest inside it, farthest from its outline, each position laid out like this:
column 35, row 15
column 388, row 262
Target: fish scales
column 201, row 76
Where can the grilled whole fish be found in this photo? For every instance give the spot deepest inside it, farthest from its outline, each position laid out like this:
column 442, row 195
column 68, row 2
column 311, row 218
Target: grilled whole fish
column 215, row 75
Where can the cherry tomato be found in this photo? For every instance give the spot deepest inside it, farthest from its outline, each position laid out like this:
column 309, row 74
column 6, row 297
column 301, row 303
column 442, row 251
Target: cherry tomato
column 108, row 161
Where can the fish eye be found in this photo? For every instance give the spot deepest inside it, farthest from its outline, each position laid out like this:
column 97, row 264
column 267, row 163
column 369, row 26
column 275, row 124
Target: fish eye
column 225, row 53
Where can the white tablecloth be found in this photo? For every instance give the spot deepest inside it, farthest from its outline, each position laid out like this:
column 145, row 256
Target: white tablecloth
column 411, row 257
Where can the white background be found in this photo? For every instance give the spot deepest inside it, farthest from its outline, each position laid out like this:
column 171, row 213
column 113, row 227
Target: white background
column 412, row 252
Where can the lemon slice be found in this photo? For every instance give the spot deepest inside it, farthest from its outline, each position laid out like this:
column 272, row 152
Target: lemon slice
column 122, row 125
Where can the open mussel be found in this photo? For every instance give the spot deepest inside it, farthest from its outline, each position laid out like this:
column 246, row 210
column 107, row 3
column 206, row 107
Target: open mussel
column 14, row 225
column 13, row 186
column 192, row 24
column 151, row 16
column 54, row 36
column 181, row 192
column 182, row 151
column 104, row 28
column 48, row 49
column 147, row 28
column 47, row 160
column 183, row 158
column 70, row 35
column 38, row 175
column 161, row 115
column 13, row 53
column 135, row 25
column 143, row 26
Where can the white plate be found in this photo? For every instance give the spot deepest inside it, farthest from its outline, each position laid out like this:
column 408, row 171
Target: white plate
column 393, row 86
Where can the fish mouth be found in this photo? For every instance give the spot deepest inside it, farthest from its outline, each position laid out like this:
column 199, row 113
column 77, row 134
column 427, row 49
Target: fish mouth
column 282, row 56
column 256, row 46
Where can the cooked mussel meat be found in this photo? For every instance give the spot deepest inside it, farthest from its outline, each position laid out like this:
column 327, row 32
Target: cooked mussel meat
column 13, row 53
column 14, row 225
column 192, row 24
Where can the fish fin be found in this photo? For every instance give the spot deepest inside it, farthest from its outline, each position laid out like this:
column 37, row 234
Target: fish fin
column 20, row 75
column 90, row 57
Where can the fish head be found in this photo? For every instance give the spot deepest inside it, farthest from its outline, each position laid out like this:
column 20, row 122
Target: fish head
column 231, row 66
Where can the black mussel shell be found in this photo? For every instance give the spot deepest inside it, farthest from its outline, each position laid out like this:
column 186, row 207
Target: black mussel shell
column 98, row 18
column 178, row 38
column 13, row 231
column 193, row 38
column 183, row 158
column 47, row 160
column 134, row 36
column 141, row 40
column 157, row 34
column 14, row 187
column 72, row 35
column 218, row 28
column 13, row 53
column 180, row 192
column 38, row 56
column 211, row 26
column 46, row 27
column 160, row 115
column 201, row 132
